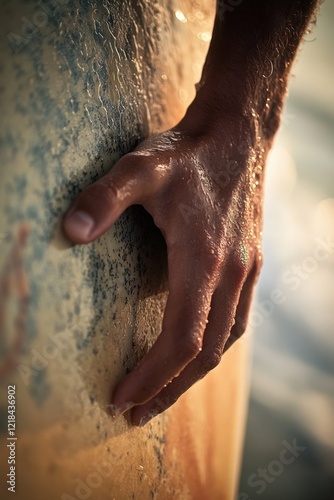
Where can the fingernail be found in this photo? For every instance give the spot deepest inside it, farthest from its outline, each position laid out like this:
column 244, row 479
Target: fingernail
column 79, row 223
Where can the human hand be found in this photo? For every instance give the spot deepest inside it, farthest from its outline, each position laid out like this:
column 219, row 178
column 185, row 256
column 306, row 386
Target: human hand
column 204, row 192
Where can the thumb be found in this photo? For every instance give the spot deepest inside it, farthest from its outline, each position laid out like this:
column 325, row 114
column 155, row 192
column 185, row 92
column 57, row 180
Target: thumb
column 101, row 203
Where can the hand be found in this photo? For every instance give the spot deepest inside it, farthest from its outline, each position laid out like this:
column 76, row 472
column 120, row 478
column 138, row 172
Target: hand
column 204, row 192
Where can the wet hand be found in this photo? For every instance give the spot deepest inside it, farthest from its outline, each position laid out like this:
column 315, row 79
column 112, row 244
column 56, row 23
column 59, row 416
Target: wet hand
column 204, row 192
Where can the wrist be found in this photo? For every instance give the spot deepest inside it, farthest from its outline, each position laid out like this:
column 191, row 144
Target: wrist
column 251, row 92
column 229, row 142
column 232, row 116
column 248, row 63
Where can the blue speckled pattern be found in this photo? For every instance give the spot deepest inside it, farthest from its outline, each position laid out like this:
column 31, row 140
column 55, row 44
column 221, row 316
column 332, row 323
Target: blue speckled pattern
column 81, row 83
column 75, row 105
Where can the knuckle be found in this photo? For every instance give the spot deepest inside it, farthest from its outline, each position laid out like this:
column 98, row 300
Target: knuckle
column 110, row 188
column 148, row 164
column 135, row 161
column 212, row 259
column 209, row 256
column 239, row 268
column 103, row 191
column 209, row 361
column 188, row 349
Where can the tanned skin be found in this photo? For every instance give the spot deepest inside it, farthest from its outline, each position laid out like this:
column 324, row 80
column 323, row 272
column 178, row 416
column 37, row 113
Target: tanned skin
column 211, row 164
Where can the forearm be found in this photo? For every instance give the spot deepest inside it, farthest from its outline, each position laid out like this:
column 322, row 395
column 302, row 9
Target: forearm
column 249, row 60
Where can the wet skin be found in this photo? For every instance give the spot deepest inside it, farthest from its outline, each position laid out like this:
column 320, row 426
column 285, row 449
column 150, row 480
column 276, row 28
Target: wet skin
column 202, row 182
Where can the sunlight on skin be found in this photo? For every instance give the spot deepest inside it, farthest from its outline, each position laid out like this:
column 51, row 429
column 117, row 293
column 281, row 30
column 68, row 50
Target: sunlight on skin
column 209, row 213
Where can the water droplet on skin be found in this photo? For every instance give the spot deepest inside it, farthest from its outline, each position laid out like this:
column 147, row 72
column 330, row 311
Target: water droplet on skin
column 205, row 36
column 199, row 15
column 180, row 16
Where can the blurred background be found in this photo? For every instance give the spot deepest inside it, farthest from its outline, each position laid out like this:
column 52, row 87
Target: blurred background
column 292, row 378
